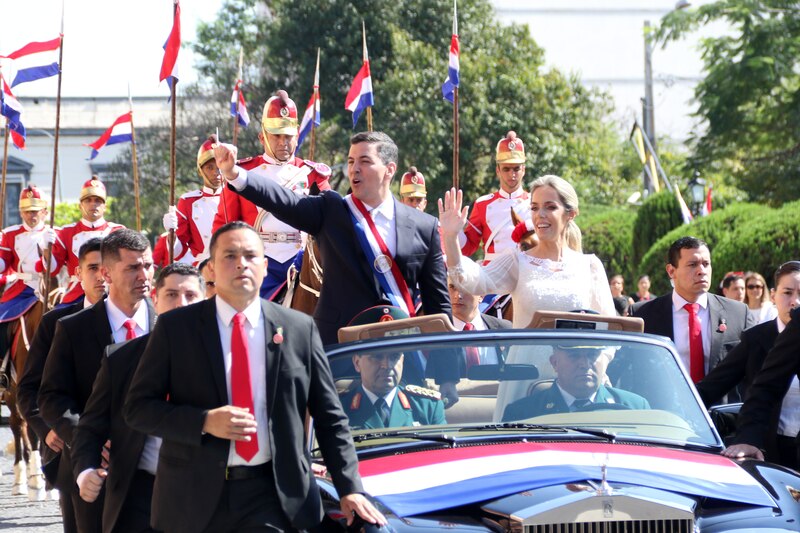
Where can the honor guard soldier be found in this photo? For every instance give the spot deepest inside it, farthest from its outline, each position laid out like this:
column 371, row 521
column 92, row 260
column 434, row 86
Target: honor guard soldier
column 379, row 401
column 278, row 135
column 19, row 252
column 412, row 189
column 67, row 242
column 490, row 220
column 194, row 216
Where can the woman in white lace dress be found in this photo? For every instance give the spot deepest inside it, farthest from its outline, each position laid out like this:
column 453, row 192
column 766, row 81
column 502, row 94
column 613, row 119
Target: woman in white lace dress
column 554, row 276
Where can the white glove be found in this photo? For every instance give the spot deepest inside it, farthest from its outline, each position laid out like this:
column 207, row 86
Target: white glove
column 49, row 236
column 170, row 219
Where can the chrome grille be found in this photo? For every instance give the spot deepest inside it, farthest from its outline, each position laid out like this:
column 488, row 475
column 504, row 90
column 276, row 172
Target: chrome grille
column 627, row 526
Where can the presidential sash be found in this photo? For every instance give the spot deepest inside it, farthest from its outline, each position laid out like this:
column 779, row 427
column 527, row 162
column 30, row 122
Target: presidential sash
column 384, row 267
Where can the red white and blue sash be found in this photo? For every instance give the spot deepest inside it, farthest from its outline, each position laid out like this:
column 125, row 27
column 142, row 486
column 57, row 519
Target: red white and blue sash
column 381, row 262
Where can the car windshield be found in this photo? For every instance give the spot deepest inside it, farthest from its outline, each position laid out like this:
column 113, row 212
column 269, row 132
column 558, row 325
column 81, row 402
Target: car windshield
column 630, row 388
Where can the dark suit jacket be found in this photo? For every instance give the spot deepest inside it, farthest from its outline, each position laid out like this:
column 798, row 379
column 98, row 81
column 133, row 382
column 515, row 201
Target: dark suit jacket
column 492, row 322
column 184, row 360
column 770, row 385
column 28, row 386
column 548, row 400
column 350, row 285
column 102, row 419
column 69, row 373
column 657, row 316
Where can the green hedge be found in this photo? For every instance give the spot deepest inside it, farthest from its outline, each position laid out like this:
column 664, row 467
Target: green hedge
column 608, row 235
column 714, row 229
column 760, row 243
column 658, row 214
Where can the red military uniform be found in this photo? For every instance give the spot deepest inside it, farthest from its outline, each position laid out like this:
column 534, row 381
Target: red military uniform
column 490, row 219
column 72, row 236
column 161, row 256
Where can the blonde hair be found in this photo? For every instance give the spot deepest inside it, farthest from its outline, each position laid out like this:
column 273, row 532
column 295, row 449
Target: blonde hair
column 764, row 292
column 569, row 199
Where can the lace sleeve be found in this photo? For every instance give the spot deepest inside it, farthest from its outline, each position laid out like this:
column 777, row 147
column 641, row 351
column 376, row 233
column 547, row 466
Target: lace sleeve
column 498, row 277
column 602, row 302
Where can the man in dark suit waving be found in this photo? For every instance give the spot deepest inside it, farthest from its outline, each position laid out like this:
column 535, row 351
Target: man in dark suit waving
column 374, row 249
column 226, row 384
column 703, row 326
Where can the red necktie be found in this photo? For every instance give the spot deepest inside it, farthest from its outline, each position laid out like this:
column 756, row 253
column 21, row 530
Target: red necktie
column 130, row 329
column 696, row 358
column 240, row 382
column 473, row 358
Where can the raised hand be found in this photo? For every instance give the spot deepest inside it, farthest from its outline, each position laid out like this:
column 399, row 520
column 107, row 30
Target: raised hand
column 225, row 155
column 452, row 217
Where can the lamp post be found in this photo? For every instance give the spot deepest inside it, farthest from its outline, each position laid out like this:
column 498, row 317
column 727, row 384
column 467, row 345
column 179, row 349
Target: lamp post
column 697, row 192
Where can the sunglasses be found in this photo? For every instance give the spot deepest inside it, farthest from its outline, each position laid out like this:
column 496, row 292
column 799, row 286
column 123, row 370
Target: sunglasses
column 754, row 287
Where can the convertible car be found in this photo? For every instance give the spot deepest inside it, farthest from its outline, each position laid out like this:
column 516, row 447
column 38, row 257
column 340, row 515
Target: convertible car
column 579, row 428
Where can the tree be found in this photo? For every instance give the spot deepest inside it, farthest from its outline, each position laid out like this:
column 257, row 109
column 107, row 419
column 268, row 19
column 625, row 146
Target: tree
column 749, row 100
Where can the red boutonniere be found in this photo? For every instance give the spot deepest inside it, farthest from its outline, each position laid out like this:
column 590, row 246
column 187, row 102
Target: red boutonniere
column 723, row 327
column 278, row 337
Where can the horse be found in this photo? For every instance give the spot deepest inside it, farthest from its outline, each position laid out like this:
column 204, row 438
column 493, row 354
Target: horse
column 526, row 239
column 304, row 286
column 28, row 476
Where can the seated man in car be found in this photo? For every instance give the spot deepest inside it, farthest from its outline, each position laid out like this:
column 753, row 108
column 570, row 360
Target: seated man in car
column 381, row 402
column 580, row 381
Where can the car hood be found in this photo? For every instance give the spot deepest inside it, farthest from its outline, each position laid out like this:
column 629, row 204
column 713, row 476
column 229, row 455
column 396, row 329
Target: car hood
column 432, row 480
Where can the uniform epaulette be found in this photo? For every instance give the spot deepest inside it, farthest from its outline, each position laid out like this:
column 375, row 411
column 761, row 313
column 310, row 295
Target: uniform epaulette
column 484, row 198
column 249, row 163
column 416, row 390
column 192, row 194
column 72, row 225
column 9, row 229
column 321, row 168
column 356, row 402
column 115, row 225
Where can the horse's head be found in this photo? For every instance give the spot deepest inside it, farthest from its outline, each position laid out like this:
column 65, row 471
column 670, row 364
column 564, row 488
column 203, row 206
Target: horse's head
column 523, row 234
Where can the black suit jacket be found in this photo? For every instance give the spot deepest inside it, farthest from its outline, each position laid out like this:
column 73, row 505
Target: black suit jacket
column 69, row 373
column 102, row 419
column 350, row 285
column 184, row 360
column 492, row 322
column 657, row 316
column 770, row 385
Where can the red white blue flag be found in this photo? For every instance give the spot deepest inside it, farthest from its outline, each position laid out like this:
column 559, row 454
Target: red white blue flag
column 359, row 97
column 169, row 66
column 12, row 110
column 35, row 61
column 119, row 132
column 238, row 105
column 453, row 67
column 312, row 115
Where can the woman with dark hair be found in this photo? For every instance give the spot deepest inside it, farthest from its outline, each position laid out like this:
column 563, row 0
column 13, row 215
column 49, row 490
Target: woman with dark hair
column 643, row 293
column 743, row 363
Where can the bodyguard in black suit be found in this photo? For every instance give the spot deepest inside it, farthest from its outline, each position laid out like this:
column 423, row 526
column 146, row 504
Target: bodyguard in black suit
column 78, row 346
column 350, row 279
column 94, row 287
column 234, row 457
column 722, row 320
column 131, row 471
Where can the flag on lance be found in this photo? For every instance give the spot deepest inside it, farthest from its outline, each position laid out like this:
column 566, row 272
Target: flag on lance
column 359, row 97
column 311, row 117
column 239, row 106
column 35, row 61
column 12, row 110
column 451, row 82
column 119, row 132
column 169, row 65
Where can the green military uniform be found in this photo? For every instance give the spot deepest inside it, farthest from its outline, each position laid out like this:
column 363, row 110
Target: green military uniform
column 412, row 406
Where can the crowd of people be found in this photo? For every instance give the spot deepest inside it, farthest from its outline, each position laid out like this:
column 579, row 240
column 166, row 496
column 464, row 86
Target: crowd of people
column 172, row 425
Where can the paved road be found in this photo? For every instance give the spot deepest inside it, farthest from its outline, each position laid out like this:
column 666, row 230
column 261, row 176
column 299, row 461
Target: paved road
column 17, row 514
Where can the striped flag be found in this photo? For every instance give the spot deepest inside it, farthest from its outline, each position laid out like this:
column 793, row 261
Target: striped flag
column 451, row 82
column 35, row 61
column 12, row 110
column 119, row 132
column 239, row 106
column 359, row 97
column 312, row 115
column 169, row 66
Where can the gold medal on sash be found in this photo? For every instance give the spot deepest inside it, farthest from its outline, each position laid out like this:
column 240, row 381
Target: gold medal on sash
column 383, row 264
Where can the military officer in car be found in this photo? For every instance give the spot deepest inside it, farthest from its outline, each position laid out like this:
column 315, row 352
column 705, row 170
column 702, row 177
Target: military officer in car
column 381, row 402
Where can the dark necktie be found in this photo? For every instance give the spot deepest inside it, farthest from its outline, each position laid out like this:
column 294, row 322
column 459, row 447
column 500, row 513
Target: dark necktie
column 696, row 358
column 473, row 357
column 382, row 408
column 241, row 391
column 130, row 329
column 579, row 404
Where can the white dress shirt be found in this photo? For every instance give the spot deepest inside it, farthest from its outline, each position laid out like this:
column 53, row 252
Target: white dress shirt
column 389, row 398
column 487, row 355
column 789, row 421
column 569, row 399
column 255, row 331
column 116, row 319
column 680, row 328
column 384, row 218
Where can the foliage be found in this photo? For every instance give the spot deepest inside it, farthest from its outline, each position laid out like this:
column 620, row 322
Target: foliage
column 714, row 229
column 749, row 100
column 658, row 214
column 761, row 243
column 67, row 213
column 609, row 235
